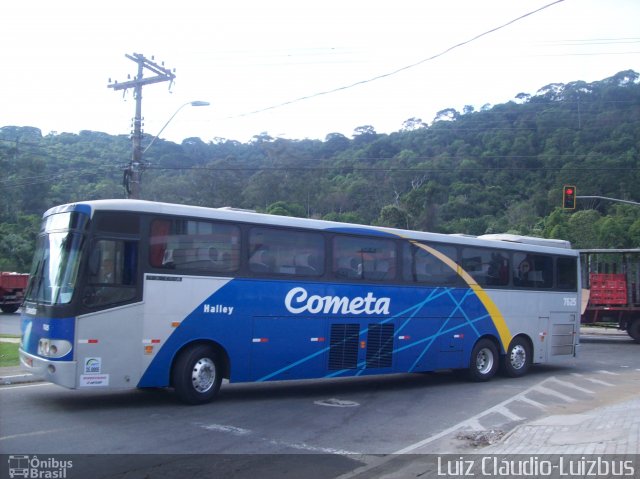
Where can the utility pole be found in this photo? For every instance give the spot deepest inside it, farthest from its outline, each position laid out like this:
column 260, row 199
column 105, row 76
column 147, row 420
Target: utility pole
column 133, row 172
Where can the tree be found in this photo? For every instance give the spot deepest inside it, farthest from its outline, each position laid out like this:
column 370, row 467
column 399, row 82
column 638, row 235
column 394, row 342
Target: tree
column 448, row 114
column 283, row 208
column 583, row 229
column 413, row 124
column 393, row 217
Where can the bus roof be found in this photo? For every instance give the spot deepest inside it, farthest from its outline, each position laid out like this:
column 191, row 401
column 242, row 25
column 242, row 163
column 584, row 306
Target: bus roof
column 513, row 242
column 556, row 243
column 610, row 251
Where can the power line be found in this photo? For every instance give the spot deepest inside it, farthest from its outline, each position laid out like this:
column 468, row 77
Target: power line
column 399, row 70
column 416, row 169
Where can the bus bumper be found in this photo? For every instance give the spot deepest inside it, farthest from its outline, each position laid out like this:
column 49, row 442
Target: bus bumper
column 57, row 372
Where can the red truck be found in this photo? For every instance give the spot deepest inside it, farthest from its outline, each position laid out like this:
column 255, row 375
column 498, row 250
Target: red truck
column 12, row 287
column 611, row 279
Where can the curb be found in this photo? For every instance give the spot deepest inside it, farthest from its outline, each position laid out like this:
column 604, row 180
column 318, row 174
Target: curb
column 18, row 379
column 15, row 375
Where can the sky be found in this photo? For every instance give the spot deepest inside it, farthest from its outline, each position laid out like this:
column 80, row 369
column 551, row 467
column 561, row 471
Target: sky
column 296, row 69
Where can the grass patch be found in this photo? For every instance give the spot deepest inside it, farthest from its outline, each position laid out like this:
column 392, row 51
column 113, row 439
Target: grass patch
column 9, row 354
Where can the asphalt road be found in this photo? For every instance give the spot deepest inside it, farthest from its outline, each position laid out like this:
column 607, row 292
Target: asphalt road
column 315, row 428
column 10, row 324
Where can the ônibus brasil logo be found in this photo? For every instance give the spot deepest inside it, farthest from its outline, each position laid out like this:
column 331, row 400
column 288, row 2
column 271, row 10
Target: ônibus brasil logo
column 299, row 301
column 34, row 467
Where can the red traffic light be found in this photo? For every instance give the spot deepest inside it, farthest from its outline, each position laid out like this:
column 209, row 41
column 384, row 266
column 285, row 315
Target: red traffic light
column 569, row 197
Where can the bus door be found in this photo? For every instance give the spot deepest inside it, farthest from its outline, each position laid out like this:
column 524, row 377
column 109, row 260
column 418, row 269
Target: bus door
column 451, row 344
column 108, row 332
column 563, row 333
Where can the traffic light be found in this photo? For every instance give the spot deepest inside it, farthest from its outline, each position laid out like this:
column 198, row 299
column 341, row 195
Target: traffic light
column 569, row 197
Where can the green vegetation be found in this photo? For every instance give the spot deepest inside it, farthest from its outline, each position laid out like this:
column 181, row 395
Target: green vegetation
column 8, row 354
column 500, row 169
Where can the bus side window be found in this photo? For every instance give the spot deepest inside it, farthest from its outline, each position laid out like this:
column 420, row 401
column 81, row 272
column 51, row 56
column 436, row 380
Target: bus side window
column 566, row 273
column 280, row 252
column 111, row 273
column 523, row 265
column 364, row 258
column 533, row 271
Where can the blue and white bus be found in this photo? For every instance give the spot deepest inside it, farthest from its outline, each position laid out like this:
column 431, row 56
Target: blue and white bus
column 137, row 294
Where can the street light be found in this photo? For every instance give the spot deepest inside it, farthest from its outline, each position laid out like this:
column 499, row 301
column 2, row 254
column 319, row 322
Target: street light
column 133, row 173
column 192, row 103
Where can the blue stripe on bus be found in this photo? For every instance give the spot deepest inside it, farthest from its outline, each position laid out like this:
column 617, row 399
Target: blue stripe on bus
column 443, row 324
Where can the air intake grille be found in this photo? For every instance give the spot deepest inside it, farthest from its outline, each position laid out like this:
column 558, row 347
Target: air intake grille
column 344, row 346
column 380, row 345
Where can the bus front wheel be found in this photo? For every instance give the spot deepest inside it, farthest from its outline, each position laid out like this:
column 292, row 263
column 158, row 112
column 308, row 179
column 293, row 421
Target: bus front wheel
column 484, row 361
column 197, row 374
column 517, row 361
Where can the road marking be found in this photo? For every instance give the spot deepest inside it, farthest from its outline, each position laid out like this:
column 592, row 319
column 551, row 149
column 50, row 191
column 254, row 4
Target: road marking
column 604, row 371
column 593, row 380
column 532, row 402
column 553, row 392
column 336, row 403
column 599, row 381
column 573, row 386
column 306, row 447
column 237, row 431
column 474, row 420
column 508, row 414
column 37, row 433
column 472, row 423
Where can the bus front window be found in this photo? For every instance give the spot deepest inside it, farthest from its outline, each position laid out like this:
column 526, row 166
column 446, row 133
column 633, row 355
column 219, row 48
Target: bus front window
column 55, row 268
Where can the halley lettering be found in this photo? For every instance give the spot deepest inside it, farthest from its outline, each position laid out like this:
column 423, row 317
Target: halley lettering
column 298, row 301
column 218, row 309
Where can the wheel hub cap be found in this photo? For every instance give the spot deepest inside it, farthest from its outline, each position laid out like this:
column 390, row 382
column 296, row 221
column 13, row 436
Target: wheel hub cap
column 204, row 375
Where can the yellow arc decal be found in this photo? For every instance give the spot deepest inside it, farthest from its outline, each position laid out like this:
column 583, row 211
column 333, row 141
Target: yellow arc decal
column 494, row 312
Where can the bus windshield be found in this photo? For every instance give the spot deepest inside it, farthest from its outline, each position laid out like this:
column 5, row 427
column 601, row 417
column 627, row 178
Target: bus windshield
column 55, row 265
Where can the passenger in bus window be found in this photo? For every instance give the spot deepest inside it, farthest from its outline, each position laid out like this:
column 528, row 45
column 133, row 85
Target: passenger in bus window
column 498, row 272
column 347, row 267
column 303, row 265
column 261, row 261
column 522, row 274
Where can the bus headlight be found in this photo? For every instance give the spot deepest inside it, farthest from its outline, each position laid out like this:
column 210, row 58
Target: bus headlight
column 53, row 348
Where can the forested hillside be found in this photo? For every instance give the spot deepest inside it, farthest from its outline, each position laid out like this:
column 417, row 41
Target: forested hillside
column 500, row 169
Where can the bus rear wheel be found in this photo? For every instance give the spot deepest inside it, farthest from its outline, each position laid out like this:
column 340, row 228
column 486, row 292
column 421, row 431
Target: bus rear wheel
column 484, row 361
column 517, row 361
column 197, row 374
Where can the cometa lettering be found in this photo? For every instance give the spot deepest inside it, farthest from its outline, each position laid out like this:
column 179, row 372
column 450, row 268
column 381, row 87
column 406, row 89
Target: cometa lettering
column 298, row 301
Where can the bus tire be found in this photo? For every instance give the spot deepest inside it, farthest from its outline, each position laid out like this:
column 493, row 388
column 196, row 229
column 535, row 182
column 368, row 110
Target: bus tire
column 197, row 374
column 484, row 361
column 633, row 330
column 517, row 361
